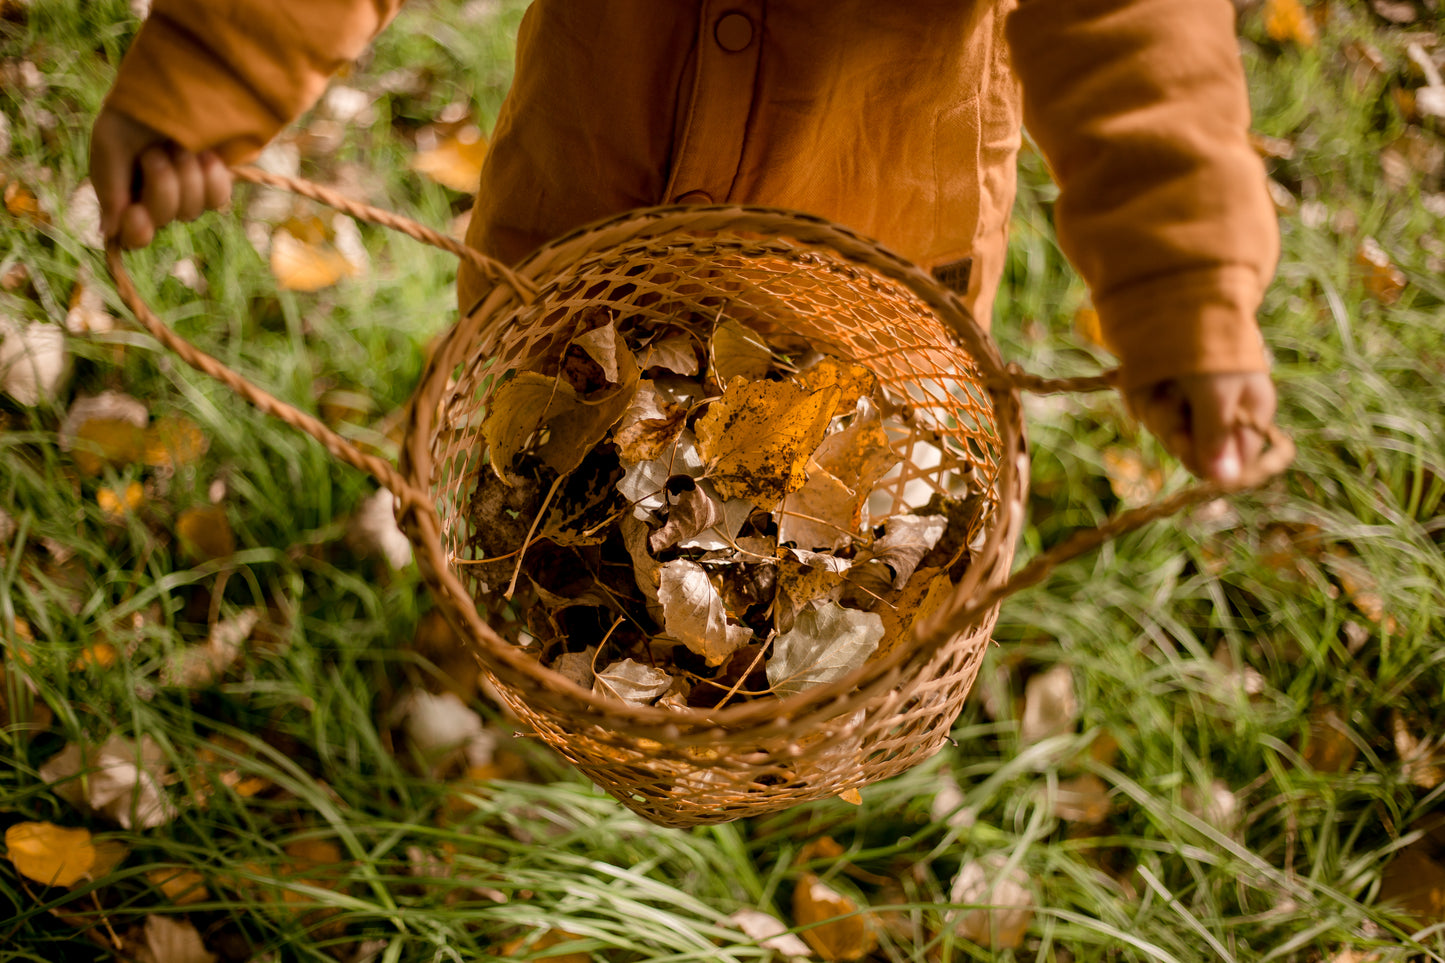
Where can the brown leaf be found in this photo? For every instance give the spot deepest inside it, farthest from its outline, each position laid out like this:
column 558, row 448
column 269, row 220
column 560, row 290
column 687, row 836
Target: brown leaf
column 22, row 203
column 826, row 642
column 120, row 780
column 1083, row 799
column 823, row 514
column 454, row 160
column 1329, row 747
column 34, row 362
column 181, row 886
column 690, row 511
column 632, row 682
column 858, row 455
column 1400, row 12
column 170, row 940
column 50, row 854
column 906, row 540
column 174, row 442
column 852, row 380
column 830, row 922
column 926, row 593
column 1383, row 281
column 1006, row 904
column 737, row 351
column 543, row 415
column 1287, row 22
column 694, row 614
column 1422, row 758
column 802, row 577
column 205, row 533
column 1050, row 705
column 650, row 424
column 1414, row 882
column 600, row 344
column 537, row 947
column 758, row 437
column 676, row 353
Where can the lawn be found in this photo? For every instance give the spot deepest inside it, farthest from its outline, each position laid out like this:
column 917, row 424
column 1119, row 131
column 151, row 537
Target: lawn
column 1220, row 737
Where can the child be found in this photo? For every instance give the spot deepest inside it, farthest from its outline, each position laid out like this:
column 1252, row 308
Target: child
column 899, row 120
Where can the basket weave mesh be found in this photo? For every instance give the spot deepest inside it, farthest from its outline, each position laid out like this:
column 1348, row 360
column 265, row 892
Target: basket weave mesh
column 801, row 284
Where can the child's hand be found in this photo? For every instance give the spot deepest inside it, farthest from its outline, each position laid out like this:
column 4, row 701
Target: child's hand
column 1210, row 422
column 144, row 180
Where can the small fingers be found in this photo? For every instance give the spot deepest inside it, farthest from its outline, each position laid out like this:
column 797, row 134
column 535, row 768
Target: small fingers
column 218, row 182
column 191, row 181
column 136, row 227
column 160, row 186
column 1213, row 425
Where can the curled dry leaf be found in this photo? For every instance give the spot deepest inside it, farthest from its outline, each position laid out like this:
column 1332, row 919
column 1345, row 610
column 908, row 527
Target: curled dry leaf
column 927, row 592
column 1421, row 758
column 546, row 416
column 1004, row 904
column 647, row 571
column 906, row 540
column 632, row 682
column 600, row 344
column 694, row 614
column 737, row 351
column 826, row 642
column 769, row 932
column 33, row 361
column 649, row 426
column 119, row 781
column 676, row 353
column 695, row 519
column 644, row 484
column 166, row 939
column 373, row 530
column 577, row 666
column 822, row 515
column 82, row 215
column 859, row 454
column 758, row 437
column 86, row 312
column 830, row 921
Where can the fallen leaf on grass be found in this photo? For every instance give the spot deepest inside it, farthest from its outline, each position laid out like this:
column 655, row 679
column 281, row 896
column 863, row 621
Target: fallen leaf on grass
column 445, row 732
column 1329, row 747
column 173, row 442
column 830, row 922
column 453, row 160
column 1383, row 281
column 56, row 856
column 1429, row 99
column 758, row 437
column 201, row 665
column 769, row 932
column 119, row 781
column 537, row 947
column 1422, row 759
column 694, row 614
column 826, row 642
column 1414, row 883
column 737, row 351
column 632, row 682
column 1050, row 706
column 306, row 256
column 106, row 430
column 1132, row 480
column 1287, row 22
column 181, row 886
column 373, row 531
column 205, row 533
column 1083, row 799
column 118, row 502
column 86, row 312
column 169, row 940
column 1005, row 903
column 22, row 203
column 33, row 361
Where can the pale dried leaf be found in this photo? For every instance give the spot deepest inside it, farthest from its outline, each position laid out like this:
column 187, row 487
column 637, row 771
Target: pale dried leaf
column 200, row 665
column 698, row 519
column 1422, row 759
column 1050, row 705
column 373, row 530
column 443, row 729
column 676, row 353
column 33, row 361
column 758, row 437
column 171, row 940
column 1083, row 799
column 823, row 514
column 826, row 642
column 4, row 134
column 348, row 105
column 1005, row 904
column 723, row 533
column 830, row 921
column 119, row 781
column 804, row 576
column 768, row 931
column 86, row 313
column 737, row 351
column 600, row 344
column 646, row 570
column 632, row 682
column 82, row 215
column 577, row 666
column 644, row 484
column 694, row 614
column 949, row 806
column 1216, row 804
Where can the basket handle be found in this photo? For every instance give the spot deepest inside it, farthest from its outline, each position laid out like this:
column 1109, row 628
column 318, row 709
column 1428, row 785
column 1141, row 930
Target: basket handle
column 379, row 468
column 1278, row 455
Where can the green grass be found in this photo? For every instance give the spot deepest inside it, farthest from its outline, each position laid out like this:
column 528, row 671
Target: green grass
column 1293, row 874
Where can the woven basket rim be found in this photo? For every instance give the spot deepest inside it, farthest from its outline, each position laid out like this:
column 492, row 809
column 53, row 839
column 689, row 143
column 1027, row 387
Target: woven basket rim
column 542, row 266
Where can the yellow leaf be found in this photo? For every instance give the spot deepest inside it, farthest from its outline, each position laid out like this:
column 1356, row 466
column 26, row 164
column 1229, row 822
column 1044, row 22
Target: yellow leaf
column 853, row 381
column 851, row 796
column 181, row 886
column 307, row 265
column 1383, row 281
column 101, row 654
column 116, row 503
column 50, row 854
column 106, row 442
column 536, row 947
column 830, row 922
column 547, row 417
column 455, row 161
column 757, row 439
column 1134, row 482
column 737, row 351
column 926, row 592
column 173, row 441
column 23, row 204
column 1287, row 22
column 205, row 533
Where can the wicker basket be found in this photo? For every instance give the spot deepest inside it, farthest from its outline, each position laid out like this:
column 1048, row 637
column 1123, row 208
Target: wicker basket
column 797, row 281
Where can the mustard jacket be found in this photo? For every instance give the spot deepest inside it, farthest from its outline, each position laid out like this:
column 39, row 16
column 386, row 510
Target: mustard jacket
column 899, row 120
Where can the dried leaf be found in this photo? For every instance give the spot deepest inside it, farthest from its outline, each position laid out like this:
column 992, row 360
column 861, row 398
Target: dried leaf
column 205, row 533
column 547, row 417
column 1329, row 748
column 455, row 160
column 1006, row 904
column 373, row 530
column 1050, row 706
column 309, row 262
column 445, row 731
column 769, row 932
column 1383, row 281
column 737, row 351
column 823, row 514
column 721, row 534
column 173, row 442
column 852, row 380
column 171, row 940
column 644, row 484
column 826, row 642
column 116, row 503
column 803, row 577
column 22, row 203
column 1414, row 882
column 536, row 947
column 600, row 344
column 676, row 353
column 1286, row 21
column 82, row 215
column 647, row 571
column 86, row 312
column 758, row 437
column 1422, row 759
column 1133, row 481
column 694, row 614
column 1083, row 799
column 650, row 424
column 925, row 594
column 106, row 430
column 181, row 886
column 50, row 854
column 577, row 666
column 33, row 361
column 201, row 665
column 120, row 781
column 858, row 455
column 830, row 921
column 689, row 512
column 906, row 540
column 632, row 682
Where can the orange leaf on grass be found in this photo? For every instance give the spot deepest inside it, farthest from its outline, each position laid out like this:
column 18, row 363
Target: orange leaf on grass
column 454, row 160
column 205, row 533
column 55, row 855
column 1286, row 21
column 830, row 921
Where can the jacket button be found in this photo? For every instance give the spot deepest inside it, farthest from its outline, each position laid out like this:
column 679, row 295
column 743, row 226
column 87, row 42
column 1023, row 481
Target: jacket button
column 734, row 31
column 693, row 197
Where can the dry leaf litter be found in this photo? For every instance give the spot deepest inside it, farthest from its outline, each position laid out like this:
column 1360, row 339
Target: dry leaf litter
column 685, row 521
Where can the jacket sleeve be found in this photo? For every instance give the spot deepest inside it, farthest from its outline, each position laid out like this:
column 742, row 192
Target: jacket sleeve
column 227, row 75
column 1141, row 110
